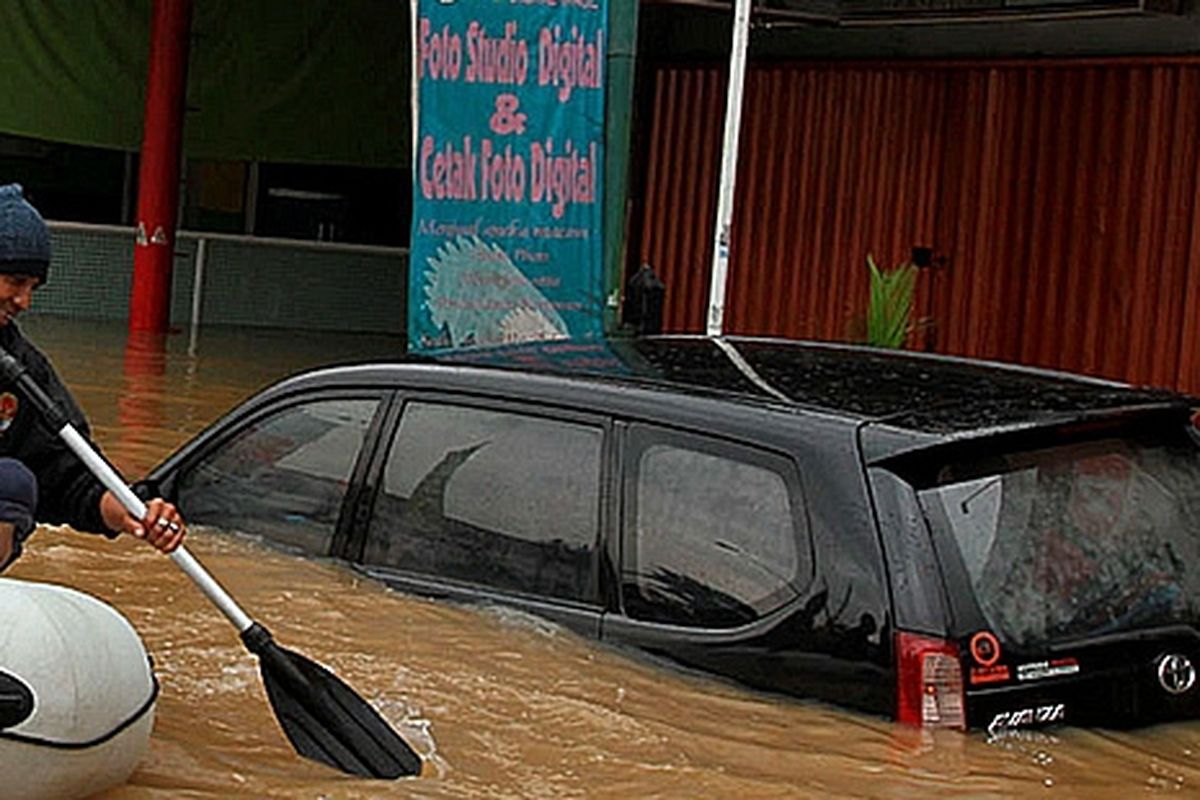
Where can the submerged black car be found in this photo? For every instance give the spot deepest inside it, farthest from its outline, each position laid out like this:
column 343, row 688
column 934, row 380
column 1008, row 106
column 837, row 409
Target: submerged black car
column 948, row 542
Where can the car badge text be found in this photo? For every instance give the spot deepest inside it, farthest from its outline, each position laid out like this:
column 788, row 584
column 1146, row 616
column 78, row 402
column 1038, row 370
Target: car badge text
column 1027, row 717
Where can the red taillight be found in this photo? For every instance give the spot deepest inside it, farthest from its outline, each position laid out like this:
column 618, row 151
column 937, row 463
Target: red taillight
column 929, row 682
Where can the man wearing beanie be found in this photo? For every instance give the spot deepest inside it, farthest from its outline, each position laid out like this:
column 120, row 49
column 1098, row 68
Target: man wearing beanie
column 40, row 478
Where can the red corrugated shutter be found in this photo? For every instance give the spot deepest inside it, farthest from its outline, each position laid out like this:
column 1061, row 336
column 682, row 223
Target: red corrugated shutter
column 1064, row 197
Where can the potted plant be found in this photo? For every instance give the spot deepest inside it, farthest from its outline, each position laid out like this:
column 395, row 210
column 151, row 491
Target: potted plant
column 890, row 305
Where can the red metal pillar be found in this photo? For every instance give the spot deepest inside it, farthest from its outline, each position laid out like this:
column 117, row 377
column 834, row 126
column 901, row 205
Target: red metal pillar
column 158, row 178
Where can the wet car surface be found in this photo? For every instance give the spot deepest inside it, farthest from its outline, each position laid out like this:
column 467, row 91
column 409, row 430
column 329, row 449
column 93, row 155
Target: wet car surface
column 948, row 542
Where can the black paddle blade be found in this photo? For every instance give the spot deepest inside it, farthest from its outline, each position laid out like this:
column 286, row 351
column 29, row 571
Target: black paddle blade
column 324, row 719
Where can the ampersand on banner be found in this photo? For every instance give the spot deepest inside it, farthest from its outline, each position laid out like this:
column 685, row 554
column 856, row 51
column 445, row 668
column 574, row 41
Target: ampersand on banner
column 507, row 119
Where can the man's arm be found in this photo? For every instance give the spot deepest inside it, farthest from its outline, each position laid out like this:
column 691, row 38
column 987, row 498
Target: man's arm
column 68, row 491
column 18, row 496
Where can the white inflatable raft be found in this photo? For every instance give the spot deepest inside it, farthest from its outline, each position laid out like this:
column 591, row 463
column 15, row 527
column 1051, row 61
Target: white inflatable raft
column 76, row 693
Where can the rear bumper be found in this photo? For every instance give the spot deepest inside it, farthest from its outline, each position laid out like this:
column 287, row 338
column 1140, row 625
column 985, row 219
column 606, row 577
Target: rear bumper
column 1142, row 680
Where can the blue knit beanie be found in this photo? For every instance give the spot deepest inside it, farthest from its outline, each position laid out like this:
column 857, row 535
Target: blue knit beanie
column 24, row 239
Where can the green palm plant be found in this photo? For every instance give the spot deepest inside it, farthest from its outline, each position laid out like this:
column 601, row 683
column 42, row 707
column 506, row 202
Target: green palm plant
column 890, row 307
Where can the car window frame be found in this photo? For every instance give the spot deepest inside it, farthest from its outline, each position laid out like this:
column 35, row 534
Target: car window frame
column 470, row 592
column 232, row 427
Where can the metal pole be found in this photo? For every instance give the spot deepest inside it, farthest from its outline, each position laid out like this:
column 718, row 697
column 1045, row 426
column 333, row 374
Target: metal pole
column 134, row 505
column 621, row 58
column 733, row 124
column 127, row 190
column 158, row 176
column 251, row 216
column 197, row 291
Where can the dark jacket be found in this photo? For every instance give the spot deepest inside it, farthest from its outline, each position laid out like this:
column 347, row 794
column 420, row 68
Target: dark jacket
column 67, row 491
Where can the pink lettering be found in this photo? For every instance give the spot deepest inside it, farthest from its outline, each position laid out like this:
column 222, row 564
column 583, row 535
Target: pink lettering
column 440, row 52
column 569, row 64
column 447, row 173
column 503, row 174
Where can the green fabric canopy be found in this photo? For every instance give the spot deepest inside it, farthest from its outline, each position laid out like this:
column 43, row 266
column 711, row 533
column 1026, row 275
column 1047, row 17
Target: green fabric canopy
column 315, row 81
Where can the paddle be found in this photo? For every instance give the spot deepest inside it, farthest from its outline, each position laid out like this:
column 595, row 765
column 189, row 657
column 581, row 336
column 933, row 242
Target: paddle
column 323, row 718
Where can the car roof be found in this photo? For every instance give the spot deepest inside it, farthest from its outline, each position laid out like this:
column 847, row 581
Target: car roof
column 903, row 391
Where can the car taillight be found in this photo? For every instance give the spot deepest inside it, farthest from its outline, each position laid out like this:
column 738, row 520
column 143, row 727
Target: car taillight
column 929, row 682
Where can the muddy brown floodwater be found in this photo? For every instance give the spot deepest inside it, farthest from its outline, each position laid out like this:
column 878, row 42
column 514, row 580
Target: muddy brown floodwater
column 499, row 705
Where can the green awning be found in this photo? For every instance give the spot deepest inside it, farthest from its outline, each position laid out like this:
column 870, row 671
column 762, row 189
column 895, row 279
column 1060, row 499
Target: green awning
column 312, row 81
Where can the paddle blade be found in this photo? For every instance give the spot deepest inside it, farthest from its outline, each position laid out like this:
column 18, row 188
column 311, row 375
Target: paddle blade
column 326, row 721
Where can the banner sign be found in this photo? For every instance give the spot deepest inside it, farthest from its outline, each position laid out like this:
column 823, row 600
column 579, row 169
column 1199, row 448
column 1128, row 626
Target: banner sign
column 507, row 242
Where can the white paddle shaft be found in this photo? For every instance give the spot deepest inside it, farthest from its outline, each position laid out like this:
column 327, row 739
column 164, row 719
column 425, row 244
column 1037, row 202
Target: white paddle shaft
column 134, row 505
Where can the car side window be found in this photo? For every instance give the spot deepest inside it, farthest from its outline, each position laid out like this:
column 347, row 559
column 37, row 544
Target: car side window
column 499, row 499
column 284, row 476
column 714, row 533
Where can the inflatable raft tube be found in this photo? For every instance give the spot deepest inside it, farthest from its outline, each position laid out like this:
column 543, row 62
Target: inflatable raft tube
column 76, row 693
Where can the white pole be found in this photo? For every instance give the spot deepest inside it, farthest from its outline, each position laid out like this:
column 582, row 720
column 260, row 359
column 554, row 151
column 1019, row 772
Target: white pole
column 733, row 124
column 197, row 292
column 198, row 279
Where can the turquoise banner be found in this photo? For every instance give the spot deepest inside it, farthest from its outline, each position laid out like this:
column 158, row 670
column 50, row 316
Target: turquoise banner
column 507, row 239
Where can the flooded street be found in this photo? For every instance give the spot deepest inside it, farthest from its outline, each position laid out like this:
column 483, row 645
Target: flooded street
column 499, row 705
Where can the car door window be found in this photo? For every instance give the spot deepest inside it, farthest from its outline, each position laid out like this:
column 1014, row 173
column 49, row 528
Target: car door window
column 284, row 476
column 713, row 531
column 499, row 499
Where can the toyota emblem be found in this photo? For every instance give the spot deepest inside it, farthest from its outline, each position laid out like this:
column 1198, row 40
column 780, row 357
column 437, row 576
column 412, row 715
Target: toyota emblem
column 1176, row 673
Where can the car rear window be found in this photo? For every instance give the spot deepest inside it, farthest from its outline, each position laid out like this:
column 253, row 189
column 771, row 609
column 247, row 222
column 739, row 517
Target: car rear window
column 1076, row 540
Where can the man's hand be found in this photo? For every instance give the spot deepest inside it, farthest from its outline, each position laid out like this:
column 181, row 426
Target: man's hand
column 162, row 526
